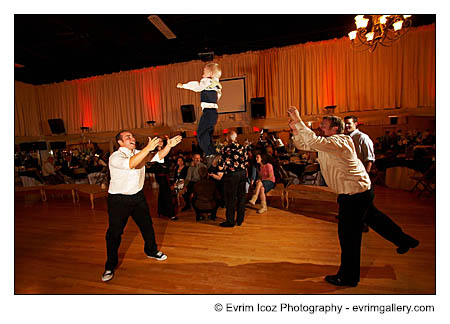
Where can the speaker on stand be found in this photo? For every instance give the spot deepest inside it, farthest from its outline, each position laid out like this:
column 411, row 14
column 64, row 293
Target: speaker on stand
column 56, row 126
column 188, row 113
column 258, row 107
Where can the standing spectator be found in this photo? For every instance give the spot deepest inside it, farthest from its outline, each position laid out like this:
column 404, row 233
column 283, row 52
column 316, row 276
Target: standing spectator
column 345, row 175
column 180, row 173
column 191, row 178
column 363, row 145
column 234, row 159
column 251, row 171
column 215, row 172
column 165, row 205
column 126, row 197
column 362, row 141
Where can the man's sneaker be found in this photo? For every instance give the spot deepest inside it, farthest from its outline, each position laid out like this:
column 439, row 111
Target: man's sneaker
column 107, row 275
column 158, row 256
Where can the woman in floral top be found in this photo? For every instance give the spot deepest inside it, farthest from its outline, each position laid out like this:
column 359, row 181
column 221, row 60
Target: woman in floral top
column 234, row 161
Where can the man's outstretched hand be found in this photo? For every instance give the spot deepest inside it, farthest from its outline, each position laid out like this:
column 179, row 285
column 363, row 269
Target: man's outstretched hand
column 174, row 141
column 152, row 143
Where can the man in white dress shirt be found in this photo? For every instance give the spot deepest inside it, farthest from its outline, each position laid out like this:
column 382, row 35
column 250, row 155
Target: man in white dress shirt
column 126, row 197
column 345, row 174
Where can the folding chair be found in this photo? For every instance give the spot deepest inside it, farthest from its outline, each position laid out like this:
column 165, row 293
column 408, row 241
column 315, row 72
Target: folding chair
column 311, row 173
column 427, row 182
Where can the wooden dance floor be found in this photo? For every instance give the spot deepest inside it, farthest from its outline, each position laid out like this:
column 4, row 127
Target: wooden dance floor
column 60, row 249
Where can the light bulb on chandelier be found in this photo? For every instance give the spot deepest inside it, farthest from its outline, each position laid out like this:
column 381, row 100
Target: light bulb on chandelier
column 372, row 30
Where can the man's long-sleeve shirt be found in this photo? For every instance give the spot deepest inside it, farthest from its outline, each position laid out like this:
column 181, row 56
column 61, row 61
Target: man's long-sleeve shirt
column 343, row 172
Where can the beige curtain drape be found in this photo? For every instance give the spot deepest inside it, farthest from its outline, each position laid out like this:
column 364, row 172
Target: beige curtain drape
column 310, row 76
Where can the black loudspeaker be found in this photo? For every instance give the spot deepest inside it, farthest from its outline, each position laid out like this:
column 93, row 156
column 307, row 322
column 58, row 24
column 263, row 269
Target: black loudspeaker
column 239, row 130
column 183, row 134
column 56, row 126
column 188, row 113
column 39, row 146
column 26, row 147
column 393, row 120
column 258, row 106
column 57, row 145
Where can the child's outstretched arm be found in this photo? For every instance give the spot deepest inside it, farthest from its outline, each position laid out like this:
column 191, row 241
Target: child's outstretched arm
column 195, row 85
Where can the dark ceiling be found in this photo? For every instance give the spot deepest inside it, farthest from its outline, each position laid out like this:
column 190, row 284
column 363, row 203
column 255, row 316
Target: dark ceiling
column 54, row 48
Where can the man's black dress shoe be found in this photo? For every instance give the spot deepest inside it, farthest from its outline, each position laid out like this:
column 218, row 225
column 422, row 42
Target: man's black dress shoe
column 226, row 224
column 411, row 244
column 174, row 218
column 338, row 281
column 199, row 218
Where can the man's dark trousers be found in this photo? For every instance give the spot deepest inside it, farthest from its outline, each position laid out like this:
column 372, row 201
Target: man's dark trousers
column 120, row 207
column 354, row 210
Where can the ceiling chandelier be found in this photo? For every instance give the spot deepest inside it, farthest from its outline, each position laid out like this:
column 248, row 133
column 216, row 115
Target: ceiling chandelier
column 372, row 30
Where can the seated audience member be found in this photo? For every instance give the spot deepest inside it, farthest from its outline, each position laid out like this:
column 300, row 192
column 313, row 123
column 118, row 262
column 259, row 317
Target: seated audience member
column 205, row 196
column 215, row 172
column 191, row 178
column 97, row 170
column 278, row 144
column 49, row 173
column 275, row 162
column 428, row 138
column 66, row 166
column 265, row 182
column 30, row 162
column 96, row 164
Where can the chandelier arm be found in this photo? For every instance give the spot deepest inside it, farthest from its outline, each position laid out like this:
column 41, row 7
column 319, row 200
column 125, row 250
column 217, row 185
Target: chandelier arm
column 362, row 39
column 383, row 33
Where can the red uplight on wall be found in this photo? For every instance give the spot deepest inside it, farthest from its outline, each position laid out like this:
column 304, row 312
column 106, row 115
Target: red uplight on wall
column 86, row 106
column 225, row 131
column 195, row 133
column 256, row 129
